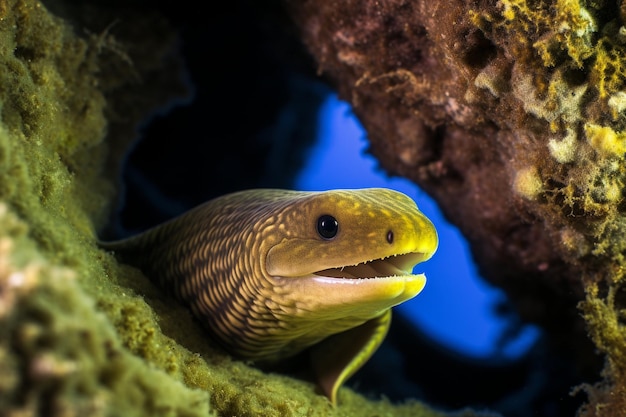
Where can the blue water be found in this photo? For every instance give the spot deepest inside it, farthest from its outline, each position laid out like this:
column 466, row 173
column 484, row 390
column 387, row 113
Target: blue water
column 456, row 308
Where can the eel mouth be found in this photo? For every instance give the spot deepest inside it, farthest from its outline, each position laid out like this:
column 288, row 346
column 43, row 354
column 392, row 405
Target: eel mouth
column 395, row 265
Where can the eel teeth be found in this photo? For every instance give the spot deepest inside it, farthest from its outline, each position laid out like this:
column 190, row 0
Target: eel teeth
column 396, row 265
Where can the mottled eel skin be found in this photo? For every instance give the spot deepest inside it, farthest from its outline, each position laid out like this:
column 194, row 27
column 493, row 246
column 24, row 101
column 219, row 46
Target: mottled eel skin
column 273, row 272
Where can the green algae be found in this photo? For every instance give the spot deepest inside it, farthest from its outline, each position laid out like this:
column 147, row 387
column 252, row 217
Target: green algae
column 609, row 396
column 81, row 334
column 59, row 355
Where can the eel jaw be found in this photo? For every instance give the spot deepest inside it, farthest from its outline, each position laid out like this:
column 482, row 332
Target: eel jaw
column 392, row 266
column 362, row 291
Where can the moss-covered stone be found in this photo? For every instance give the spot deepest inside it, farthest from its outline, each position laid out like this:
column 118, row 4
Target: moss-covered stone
column 61, row 355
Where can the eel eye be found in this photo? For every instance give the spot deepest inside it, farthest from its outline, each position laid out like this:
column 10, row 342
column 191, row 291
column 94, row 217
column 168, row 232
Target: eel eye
column 327, row 226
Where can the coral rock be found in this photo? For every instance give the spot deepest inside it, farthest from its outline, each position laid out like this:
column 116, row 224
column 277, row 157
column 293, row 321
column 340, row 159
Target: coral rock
column 511, row 115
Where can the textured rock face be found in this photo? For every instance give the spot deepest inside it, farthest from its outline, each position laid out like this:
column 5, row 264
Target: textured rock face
column 511, row 114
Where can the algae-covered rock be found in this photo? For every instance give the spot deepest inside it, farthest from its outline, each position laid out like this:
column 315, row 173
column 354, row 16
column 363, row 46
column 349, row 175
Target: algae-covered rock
column 511, row 114
column 60, row 355
column 81, row 334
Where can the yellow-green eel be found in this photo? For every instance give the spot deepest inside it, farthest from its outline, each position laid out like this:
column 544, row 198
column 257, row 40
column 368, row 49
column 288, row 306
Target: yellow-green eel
column 271, row 272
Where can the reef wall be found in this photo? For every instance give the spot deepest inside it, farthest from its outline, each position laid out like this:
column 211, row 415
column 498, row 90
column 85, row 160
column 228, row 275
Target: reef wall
column 81, row 334
column 511, row 114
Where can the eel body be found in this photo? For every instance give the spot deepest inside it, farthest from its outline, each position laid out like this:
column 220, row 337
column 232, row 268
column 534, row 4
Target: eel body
column 271, row 273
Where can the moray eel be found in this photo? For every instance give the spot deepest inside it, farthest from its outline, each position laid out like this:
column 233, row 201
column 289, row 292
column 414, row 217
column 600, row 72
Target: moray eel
column 271, row 273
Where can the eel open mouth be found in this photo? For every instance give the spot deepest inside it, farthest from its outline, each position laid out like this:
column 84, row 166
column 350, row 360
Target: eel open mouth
column 397, row 265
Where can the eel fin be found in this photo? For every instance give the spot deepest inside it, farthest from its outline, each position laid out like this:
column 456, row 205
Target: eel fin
column 338, row 357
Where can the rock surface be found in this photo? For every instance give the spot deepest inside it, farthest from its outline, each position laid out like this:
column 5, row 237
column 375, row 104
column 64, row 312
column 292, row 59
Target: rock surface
column 511, row 114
